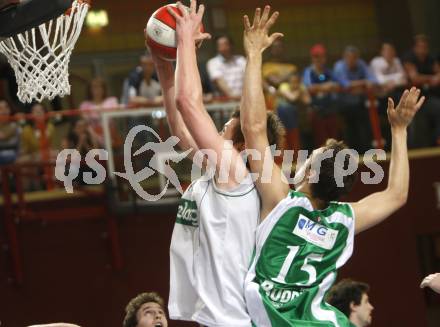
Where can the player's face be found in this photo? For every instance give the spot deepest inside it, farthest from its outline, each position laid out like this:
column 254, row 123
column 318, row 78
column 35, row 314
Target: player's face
column 364, row 310
column 151, row 314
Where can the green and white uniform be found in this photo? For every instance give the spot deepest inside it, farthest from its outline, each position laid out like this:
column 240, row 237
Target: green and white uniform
column 298, row 250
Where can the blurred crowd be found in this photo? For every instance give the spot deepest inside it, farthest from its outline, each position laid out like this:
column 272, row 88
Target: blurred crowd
column 322, row 100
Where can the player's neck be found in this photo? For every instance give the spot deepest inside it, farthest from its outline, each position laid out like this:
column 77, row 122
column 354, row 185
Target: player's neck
column 317, row 204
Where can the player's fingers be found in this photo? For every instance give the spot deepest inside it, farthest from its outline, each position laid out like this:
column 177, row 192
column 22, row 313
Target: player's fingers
column 272, row 20
column 420, row 103
column 257, row 17
column 173, row 13
column 403, row 98
column 246, row 22
column 275, row 36
column 265, row 16
column 201, row 11
column 183, row 10
column 390, row 104
column 205, row 36
column 193, row 6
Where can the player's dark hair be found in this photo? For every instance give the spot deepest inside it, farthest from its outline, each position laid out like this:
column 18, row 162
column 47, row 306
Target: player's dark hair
column 344, row 293
column 326, row 188
column 275, row 129
column 136, row 303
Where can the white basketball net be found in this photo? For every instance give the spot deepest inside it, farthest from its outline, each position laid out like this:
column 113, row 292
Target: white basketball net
column 40, row 56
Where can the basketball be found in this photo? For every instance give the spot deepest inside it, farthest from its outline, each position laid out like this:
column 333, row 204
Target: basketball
column 161, row 32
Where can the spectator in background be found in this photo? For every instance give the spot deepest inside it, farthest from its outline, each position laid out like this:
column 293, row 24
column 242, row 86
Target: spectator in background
column 293, row 97
column 424, row 71
column 226, row 70
column 391, row 79
column 81, row 137
column 145, row 310
column 388, row 71
column 143, row 89
column 9, row 135
column 353, row 75
column 31, row 142
column 98, row 99
column 351, row 298
column 323, row 88
column 277, row 69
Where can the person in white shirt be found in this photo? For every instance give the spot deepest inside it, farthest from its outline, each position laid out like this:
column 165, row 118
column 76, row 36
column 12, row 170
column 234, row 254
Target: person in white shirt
column 214, row 233
column 226, row 70
column 388, row 70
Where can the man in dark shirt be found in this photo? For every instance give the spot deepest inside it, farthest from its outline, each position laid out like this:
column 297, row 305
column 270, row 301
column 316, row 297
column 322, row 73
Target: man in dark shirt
column 424, row 71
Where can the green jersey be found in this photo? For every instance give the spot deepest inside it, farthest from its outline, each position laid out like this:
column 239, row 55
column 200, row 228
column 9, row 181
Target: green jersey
column 298, row 250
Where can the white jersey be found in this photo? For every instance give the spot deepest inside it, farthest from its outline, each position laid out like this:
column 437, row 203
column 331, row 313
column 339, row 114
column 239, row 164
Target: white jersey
column 211, row 249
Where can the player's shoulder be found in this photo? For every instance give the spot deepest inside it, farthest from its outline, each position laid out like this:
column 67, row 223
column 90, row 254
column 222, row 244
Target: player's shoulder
column 344, row 208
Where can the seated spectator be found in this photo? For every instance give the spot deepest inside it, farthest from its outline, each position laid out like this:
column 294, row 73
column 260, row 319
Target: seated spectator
column 98, row 98
column 31, row 146
column 276, row 70
column 9, row 135
column 143, row 89
column 145, row 310
column 388, row 71
column 391, row 79
column 226, row 70
column 293, row 96
column 351, row 298
column 31, row 134
column 423, row 71
column 82, row 138
column 356, row 80
column 323, row 88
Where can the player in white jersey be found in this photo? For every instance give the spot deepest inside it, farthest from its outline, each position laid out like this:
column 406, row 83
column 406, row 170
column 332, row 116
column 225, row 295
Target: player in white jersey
column 306, row 236
column 214, row 234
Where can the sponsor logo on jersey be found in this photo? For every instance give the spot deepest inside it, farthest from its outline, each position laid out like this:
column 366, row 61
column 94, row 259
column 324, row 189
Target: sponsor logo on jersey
column 315, row 233
column 187, row 213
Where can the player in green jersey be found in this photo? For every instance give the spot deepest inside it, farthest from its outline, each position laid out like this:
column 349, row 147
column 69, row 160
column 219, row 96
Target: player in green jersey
column 306, row 235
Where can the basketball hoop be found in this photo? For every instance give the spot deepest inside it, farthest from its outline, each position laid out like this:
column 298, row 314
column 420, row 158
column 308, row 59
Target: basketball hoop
column 40, row 56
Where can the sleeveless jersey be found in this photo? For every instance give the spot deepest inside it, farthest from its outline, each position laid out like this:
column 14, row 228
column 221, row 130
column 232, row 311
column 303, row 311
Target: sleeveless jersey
column 298, row 250
column 211, row 250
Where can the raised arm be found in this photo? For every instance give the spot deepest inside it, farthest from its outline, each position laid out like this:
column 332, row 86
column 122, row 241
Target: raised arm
column 165, row 72
column 375, row 208
column 189, row 94
column 253, row 109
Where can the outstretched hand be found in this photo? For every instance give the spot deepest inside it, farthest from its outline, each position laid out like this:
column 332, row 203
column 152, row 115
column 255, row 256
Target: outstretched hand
column 256, row 36
column 189, row 25
column 402, row 115
column 432, row 281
